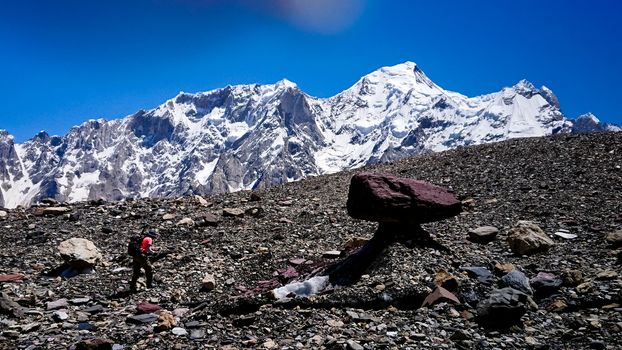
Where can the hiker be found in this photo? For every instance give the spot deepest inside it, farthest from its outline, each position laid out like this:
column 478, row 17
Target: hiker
column 139, row 249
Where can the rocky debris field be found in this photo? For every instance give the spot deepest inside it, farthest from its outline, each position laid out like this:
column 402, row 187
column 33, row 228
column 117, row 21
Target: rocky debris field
column 533, row 261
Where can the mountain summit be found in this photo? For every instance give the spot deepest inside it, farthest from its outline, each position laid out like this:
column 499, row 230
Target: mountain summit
column 252, row 136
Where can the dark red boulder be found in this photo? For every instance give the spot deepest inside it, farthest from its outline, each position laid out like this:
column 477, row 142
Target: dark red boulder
column 391, row 199
column 11, row 277
column 146, row 308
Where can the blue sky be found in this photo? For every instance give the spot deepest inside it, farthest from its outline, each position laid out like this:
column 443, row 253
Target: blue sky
column 64, row 62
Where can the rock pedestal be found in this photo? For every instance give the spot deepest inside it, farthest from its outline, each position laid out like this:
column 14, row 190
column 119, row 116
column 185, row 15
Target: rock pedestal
column 399, row 205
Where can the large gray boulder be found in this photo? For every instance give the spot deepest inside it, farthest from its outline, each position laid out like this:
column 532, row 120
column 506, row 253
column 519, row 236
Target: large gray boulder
column 79, row 253
column 517, row 280
column 503, row 308
column 483, row 234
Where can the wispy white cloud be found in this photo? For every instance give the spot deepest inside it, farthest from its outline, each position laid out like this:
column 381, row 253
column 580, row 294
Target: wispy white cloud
column 323, row 16
column 320, row 16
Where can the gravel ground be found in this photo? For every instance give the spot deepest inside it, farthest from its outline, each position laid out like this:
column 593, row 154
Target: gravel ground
column 570, row 184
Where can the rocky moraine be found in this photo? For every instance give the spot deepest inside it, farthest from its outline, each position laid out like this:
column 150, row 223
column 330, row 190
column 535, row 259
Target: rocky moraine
column 532, row 260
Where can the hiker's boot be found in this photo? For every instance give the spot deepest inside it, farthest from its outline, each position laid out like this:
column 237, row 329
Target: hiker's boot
column 149, row 283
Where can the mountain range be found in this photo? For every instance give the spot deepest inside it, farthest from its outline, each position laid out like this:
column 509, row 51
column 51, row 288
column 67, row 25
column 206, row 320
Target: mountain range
column 253, row 136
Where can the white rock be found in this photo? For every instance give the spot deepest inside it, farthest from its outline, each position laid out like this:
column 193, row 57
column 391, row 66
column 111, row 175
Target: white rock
column 119, row 269
column 179, row 331
column 201, row 200
column 185, row 222
column 270, row 344
column 80, row 301
column 79, row 252
column 60, row 315
column 168, row 216
column 306, row 288
column 483, row 234
column 353, row 345
column 55, row 210
column 235, row 212
column 565, row 235
column 528, row 238
column 209, row 282
column 56, row 304
column 332, row 254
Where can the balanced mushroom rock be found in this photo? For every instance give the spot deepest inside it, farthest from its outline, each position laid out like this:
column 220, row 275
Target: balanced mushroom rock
column 391, row 199
column 400, row 206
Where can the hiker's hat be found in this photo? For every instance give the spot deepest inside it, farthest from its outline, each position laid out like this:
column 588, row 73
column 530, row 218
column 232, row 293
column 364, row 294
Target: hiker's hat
column 152, row 233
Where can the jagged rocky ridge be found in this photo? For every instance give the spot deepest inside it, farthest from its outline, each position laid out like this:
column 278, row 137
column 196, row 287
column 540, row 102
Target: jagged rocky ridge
column 566, row 183
column 253, row 136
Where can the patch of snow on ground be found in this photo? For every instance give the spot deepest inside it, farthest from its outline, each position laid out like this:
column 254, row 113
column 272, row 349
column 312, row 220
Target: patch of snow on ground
column 306, row 288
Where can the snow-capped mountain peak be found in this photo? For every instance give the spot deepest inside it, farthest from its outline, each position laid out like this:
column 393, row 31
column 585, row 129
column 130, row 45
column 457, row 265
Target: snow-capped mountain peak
column 404, row 77
column 589, row 123
column 251, row 136
column 284, row 83
column 525, row 85
column 589, row 116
